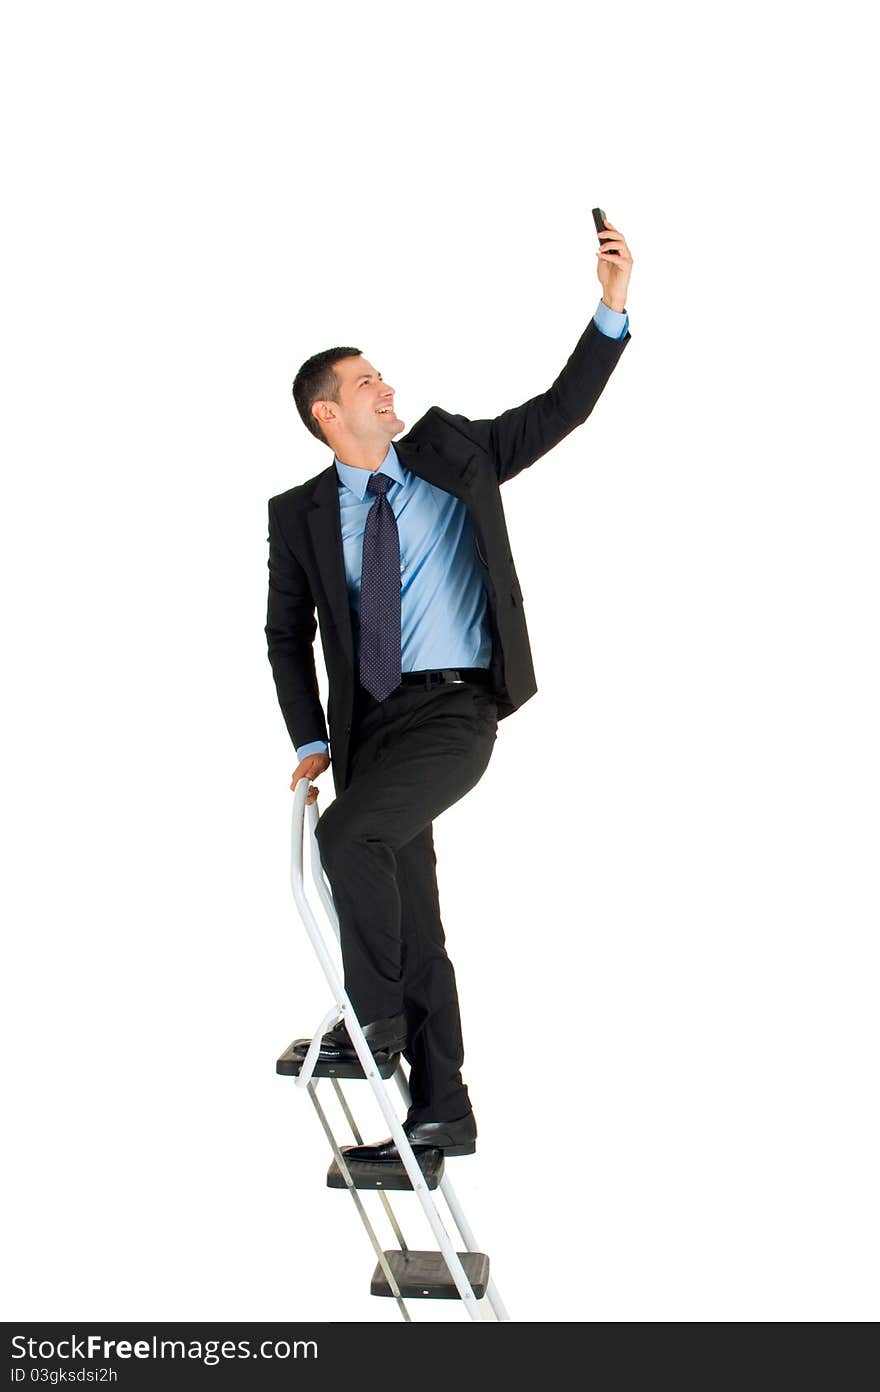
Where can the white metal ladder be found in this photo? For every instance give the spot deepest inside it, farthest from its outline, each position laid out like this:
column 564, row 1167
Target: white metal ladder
column 400, row 1274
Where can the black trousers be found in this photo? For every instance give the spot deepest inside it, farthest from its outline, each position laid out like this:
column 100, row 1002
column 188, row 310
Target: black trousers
column 413, row 755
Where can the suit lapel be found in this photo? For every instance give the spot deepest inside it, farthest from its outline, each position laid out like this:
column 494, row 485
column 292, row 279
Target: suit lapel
column 325, row 525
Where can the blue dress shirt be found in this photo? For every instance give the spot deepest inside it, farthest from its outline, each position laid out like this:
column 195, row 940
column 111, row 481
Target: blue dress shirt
column 443, row 602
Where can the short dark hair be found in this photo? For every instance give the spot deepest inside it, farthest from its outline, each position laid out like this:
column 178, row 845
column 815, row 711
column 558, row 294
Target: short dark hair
column 316, row 381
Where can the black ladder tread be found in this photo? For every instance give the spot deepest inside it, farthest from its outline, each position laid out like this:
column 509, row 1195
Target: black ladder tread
column 386, row 1175
column 425, row 1275
column 290, row 1064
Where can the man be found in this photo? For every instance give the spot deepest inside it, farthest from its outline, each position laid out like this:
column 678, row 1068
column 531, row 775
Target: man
column 403, row 550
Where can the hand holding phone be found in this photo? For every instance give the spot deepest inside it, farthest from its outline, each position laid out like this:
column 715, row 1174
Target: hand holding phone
column 599, row 220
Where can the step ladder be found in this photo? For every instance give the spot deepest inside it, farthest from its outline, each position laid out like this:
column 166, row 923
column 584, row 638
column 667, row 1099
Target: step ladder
column 400, row 1273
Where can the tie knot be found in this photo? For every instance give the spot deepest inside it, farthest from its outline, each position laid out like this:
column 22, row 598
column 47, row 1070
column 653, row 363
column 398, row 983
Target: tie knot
column 379, row 483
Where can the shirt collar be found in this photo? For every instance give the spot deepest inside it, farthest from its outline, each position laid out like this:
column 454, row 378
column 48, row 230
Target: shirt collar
column 356, row 479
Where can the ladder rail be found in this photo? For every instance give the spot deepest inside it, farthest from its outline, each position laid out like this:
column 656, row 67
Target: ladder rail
column 358, row 1203
column 343, row 1007
column 493, row 1298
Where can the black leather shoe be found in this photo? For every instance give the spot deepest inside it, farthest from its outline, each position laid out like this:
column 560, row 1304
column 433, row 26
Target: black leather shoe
column 385, row 1038
column 452, row 1137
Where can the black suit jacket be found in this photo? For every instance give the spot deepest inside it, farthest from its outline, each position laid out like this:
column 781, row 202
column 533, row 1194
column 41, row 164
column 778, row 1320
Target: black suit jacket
column 469, row 458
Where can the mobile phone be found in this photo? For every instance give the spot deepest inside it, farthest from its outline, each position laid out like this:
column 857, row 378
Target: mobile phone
column 599, row 220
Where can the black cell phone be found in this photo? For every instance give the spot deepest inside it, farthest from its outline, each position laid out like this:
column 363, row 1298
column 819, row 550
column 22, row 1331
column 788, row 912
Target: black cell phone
column 599, row 220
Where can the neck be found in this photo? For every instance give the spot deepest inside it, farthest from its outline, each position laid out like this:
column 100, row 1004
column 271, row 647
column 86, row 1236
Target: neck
column 362, row 456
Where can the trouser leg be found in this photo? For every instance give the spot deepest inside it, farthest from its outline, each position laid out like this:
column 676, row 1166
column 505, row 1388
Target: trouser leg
column 416, row 755
column 436, row 1050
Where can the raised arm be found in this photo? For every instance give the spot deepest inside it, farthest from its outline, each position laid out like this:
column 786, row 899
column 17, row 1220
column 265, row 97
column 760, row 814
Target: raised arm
column 521, row 435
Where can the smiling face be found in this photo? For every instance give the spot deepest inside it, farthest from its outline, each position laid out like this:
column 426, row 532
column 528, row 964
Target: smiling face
column 364, row 415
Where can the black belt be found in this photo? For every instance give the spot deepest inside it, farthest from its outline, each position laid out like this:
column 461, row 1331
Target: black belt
column 427, row 679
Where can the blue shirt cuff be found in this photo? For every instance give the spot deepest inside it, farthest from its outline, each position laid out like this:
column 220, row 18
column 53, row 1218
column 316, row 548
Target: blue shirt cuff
column 612, row 322
column 316, row 747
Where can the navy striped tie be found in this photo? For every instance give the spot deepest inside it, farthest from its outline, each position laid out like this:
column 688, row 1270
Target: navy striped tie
column 380, row 595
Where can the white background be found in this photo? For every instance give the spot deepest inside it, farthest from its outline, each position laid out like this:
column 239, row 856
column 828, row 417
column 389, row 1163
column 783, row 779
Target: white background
column 661, row 900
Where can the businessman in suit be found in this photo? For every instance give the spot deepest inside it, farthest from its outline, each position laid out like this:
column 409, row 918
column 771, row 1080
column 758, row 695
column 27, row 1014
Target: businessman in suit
column 402, row 549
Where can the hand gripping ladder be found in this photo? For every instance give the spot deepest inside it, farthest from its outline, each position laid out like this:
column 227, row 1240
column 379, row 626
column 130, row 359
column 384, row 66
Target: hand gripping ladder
column 401, row 1273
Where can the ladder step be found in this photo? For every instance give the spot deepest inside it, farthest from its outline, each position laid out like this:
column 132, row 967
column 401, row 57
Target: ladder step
column 366, row 1175
column 290, row 1065
column 425, row 1275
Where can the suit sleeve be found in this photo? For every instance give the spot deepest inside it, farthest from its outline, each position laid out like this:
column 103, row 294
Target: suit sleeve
column 520, row 436
column 290, row 634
